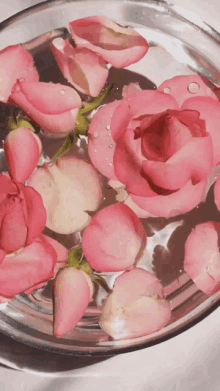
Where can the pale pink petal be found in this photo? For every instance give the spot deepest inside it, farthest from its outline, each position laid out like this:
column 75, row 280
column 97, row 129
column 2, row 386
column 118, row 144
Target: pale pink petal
column 21, row 153
column 185, row 87
column 202, row 258
column 71, row 298
column 136, row 307
column 101, row 145
column 58, row 125
column 62, row 252
column 217, row 193
column 137, row 105
column 179, row 202
column 117, row 45
column 34, row 265
column 209, row 110
column 85, row 70
column 141, row 213
column 50, row 98
column 113, row 239
column 195, row 166
column 131, row 88
column 16, row 63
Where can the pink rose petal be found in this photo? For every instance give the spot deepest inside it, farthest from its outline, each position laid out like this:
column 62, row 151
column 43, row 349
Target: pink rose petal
column 209, row 110
column 101, row 145
column 202, row 258
column 58, row 125
column 117, row 45
column 113, row 239
column 16, row 63
column 217, row 193
column 71, row 298
column 50, row 98
column 21, row 153
column 85, row 70
column 179, row 202
column 136, row 306
column 34, row 265
column 185, row 87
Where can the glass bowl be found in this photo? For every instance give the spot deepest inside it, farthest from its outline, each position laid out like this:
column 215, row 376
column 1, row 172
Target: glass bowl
column 28, row 319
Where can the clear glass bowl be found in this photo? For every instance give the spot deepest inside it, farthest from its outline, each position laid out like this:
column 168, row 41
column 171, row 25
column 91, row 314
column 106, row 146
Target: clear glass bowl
column 172, row 52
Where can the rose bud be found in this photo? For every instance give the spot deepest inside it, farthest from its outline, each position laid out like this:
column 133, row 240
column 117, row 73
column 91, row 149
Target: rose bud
column 29, row 268
column 114, row 239
column 84, row 69
column 54, row 107
column 22, row 214
column 22, row 150
column 136, row 307
column 70, row 188
column 16, row 63
column 120, row 46
column 202, row 256
column 73, row 290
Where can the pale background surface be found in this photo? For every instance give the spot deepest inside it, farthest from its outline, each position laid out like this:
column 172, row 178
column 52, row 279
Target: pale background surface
column 188, row 362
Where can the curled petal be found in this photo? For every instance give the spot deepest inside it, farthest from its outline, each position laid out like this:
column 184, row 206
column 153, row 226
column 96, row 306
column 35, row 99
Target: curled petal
column 194, row 166
column 6, row 185
column 101, row 146
column 50, row 98
column 22, row 153
column 117, row 45
column 16, row 63
column 202, row 258
column 58, row 125
column 70, row 188
column 179, row 202
column 85, row 70
column 71, row 296
column 113, row 239
column 185, row 87
column 34, row 265
column 217, row 193
column 209, row 110
column 141, row 213
column 136, row 306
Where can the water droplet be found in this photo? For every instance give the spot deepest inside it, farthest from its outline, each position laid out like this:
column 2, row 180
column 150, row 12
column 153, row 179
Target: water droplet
column 108, row 127
column 208, row 91
column 109, row 134
column 110, row 164
column 111, row 146
column 193, row 88
column 167, row 90
column 95, row 134
column 62, row 92
column 106, row 158
column 22, row 80
column 95, row 150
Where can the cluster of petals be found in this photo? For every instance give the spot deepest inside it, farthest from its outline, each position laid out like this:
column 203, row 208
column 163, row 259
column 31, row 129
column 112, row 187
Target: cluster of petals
column 70, row 189
column 73, row 290
column 114, row 239
column 136, row 306
column 150, row 137
column 27, row 258
column 98, row 41
column 202, row 256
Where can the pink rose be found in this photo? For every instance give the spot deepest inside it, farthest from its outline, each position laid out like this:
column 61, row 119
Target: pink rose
column 22, row 215
column 135, row 307
column 146, row 140
column 114, row 239
column 120, row 46
column 16, row 63
column 73, row 290
column 202, row 256
column 84, row 69
column 54, row 107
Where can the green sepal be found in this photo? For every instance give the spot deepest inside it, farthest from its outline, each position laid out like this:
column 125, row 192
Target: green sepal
column 85, row 267
column 100, row 281
column 93, row 104
column 82, row 125
column 74, row 257
column 19, row 123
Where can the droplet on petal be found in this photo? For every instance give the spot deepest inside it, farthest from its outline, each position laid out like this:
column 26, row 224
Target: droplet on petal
column 193, row 88
column 167, row 90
